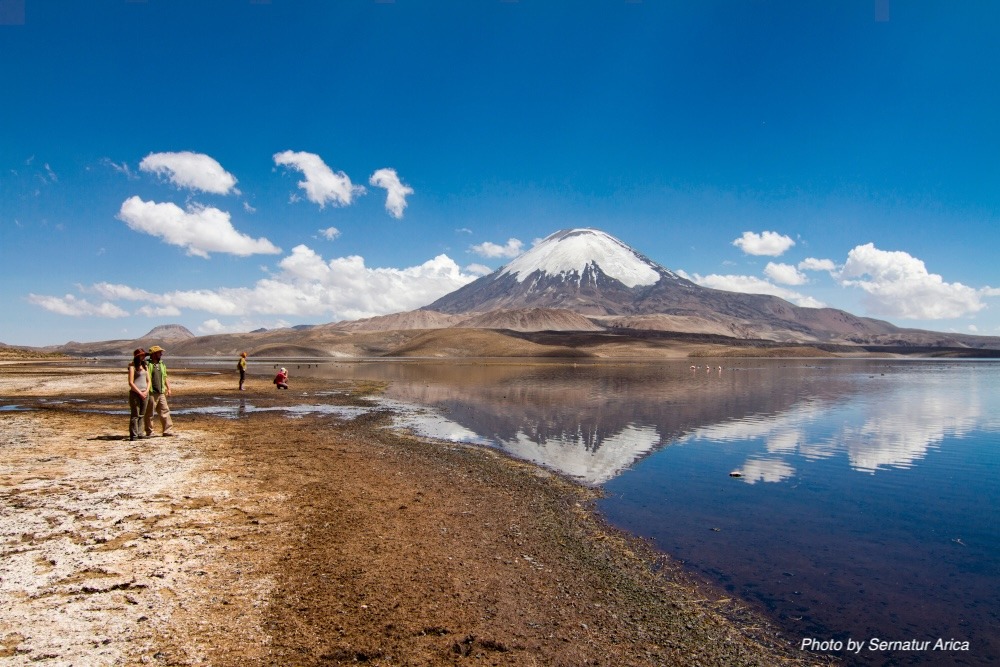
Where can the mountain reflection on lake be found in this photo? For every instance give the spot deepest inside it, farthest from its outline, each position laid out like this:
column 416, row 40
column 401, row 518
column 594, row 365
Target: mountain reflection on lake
column 852, row 499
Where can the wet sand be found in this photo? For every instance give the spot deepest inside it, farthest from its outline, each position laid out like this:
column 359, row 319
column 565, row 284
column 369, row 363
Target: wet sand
column 282, row 538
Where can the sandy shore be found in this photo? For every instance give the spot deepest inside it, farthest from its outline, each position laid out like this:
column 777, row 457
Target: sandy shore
column 295, row 528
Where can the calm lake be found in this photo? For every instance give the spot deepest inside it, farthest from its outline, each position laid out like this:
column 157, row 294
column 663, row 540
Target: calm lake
column 855, row 501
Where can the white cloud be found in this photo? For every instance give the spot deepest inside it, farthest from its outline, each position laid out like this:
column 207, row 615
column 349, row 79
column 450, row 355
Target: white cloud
column 215, row 326
column 330, row 233
column 771, row 244
column 479, row 269
column 786, row 274
column 122, row 168
column 813, row 264
column 899, row 285
column 70, row 305
column 752, row 285
column 199, row 229
column 194, row 171
column 463, row 230
column 117, row 292
column 513, row 248
column 248, row 208
column 396, row 192
column 322, row 185
column 309, row 286
column 159, row 311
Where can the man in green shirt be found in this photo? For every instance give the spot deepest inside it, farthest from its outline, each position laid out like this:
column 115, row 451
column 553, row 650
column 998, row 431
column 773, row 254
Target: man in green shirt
column 159, row 391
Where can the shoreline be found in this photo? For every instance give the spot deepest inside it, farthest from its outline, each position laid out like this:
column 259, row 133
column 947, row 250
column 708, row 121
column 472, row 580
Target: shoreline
column 316, row 539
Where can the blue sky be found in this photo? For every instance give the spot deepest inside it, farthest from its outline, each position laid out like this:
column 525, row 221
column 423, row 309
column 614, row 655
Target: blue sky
column 245, row 164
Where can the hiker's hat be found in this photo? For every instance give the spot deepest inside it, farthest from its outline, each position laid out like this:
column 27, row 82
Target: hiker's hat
column 139, row 352
column 155, row 349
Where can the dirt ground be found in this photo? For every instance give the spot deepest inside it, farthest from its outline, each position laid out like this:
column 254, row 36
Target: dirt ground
column 296, row 528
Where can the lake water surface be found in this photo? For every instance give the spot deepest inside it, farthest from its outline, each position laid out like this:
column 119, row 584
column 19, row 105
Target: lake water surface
column 853, row 500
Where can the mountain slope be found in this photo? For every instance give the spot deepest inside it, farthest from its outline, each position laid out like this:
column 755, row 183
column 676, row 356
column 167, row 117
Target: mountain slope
column 590, row 272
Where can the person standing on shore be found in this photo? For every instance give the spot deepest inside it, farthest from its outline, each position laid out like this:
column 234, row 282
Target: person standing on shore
column 138, row 389
column 242, row 366
column 159, row 392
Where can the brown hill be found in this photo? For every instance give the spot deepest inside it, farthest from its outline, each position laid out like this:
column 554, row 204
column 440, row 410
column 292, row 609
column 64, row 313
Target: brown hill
column 416, row 319
column 478, row 343
column 531, row 319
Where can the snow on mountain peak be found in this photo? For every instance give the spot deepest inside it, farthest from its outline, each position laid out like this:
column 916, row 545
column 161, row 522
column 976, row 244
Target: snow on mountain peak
column 572, row 250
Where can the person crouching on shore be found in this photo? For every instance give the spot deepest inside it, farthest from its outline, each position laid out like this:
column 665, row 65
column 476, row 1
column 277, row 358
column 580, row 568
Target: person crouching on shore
column 159, row 392
column 138, row 389
column 281, row 379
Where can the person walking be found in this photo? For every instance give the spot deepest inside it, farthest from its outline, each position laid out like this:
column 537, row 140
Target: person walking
column 159, row 392
column 138, row 389
column 242, row 366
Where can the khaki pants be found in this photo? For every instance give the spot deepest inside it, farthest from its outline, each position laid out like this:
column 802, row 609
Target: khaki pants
column 157, row 403
column 136, row 405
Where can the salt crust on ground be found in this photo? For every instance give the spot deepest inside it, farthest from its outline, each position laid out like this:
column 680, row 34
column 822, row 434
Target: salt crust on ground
column 103, row 540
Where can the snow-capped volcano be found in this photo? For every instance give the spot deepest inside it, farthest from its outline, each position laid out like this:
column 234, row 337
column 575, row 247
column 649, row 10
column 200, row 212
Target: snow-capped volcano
column 593, row 274
column 584, row 270
column 571, row 253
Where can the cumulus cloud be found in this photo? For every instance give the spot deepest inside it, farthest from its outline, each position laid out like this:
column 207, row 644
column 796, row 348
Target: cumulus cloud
column 479, row 269
column 752, row 285
column 396, row 192
column 194, row 171
column 813, row 264
column 74, row 307
column 322, row 186
column 216, row 326
column 330, row 233
column 771, row 244
column 513, row 248
column 159, row 311
column 786, row 274
column 307, row 285
column 899, row 285
column 199, row 229
column 117, row 292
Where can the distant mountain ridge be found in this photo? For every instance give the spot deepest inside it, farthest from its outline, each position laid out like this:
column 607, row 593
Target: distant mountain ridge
column 594, row 293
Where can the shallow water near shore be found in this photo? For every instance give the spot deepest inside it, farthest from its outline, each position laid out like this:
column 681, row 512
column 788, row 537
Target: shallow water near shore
column 854, row 500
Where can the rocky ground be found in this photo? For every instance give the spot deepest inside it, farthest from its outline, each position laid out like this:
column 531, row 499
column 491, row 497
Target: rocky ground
column 295, row 528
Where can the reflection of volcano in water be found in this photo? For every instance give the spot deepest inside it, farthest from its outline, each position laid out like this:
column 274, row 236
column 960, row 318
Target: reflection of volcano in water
column 593, row 421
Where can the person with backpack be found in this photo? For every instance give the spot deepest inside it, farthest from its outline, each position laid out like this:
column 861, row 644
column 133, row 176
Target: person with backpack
column 241, row 366
column 159, row 392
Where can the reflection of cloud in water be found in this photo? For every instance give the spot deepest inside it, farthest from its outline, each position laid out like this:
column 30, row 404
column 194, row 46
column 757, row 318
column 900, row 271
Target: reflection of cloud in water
column 901, row 432
column 571, row 454
column 431, row 424
column 765, row 470
column 896, row 430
